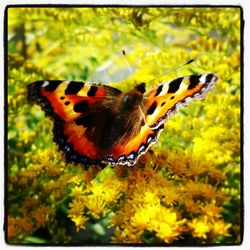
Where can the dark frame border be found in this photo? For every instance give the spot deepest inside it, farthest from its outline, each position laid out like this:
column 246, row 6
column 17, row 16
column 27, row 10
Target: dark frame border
column 5, row 42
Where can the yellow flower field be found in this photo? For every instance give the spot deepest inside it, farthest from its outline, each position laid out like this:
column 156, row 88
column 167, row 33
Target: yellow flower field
column 186, row 190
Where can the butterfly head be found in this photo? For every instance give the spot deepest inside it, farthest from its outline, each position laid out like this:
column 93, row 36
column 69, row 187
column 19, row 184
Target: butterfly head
column 141, row 87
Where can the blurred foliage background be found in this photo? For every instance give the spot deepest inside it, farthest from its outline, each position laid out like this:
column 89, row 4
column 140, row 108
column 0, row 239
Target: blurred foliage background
column 186, row 189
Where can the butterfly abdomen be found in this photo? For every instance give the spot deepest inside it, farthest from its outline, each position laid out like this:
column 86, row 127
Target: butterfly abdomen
column 121, row 123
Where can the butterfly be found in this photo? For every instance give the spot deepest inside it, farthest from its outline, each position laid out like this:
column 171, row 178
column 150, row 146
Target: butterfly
column 99, row 124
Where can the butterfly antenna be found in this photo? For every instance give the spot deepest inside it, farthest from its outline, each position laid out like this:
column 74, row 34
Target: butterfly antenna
column 127, row 62
column 173, row 69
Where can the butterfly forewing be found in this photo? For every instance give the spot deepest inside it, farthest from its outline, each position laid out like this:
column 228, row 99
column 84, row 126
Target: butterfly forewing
column 164, row 100
column 67, row 101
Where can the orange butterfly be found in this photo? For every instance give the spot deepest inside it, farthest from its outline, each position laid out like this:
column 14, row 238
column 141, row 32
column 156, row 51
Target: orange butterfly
column 95, row 124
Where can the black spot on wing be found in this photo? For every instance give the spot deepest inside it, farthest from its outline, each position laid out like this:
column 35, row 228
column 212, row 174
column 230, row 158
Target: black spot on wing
column 52, row 85
column 209, row 77
column 163, row 103
column 152, row 108
column 67, row 103
column 92, row 91
column 175, row 85
column 73, row 88
column 159, row 89
column 161, row 127
column 194, row 81
column 81, row 107
column 85, row 121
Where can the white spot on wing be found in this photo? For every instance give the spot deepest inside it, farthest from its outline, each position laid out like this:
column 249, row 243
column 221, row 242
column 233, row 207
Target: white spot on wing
column 188, row 99
column 203, row 78
column 46, row 83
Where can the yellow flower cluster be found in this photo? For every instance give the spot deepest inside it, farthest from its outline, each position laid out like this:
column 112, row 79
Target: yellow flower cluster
column 201, row 227
column 96, row 199
column 186, row 188
column 35, row 190
column 158, row 202
column 147, row 209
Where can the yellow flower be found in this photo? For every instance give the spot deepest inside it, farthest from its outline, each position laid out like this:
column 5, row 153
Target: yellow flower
column 77, row 179
column 167, row 232
column 54, row 170
column 79, row 221
column 166, row 224
column 150, row 198
column 113, row 189
column 198, row 189
column 96, row 188
column 30, row 203
column 191, row 206
column 159, row 219
column 26, row 225
column 13, row 227
column 170, row 195
column 211, row 210
column 199, row 227
column 96, row 206
column 77, row 191
column 76, row 208
column 219, row 227
column 142, row 217
column 41, row 215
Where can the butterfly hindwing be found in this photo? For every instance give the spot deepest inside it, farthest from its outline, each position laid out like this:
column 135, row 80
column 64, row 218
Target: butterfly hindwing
column 164, row 100
column 130, row 150
column 72, row 140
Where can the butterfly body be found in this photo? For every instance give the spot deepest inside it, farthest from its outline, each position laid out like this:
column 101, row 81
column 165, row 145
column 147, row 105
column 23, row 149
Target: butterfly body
column 109, row 123
column 99, row 124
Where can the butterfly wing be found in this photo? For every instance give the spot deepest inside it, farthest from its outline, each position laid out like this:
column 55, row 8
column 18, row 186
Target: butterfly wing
column 75, row 107
column 130, row 150
column 165, row 100
column 159, row 104
column 66, row 101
